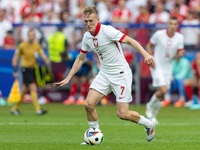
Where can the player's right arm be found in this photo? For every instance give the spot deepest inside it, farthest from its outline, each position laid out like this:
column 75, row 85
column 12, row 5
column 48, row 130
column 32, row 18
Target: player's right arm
column 17, row 54
column 76, row 66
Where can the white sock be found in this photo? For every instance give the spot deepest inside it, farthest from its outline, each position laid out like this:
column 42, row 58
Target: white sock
column 153, row 100
column 93, row 124
column 157, row 106
column 144, row 122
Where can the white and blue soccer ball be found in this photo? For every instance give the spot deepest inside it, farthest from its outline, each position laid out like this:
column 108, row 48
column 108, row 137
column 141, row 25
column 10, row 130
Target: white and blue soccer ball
column 93, row 136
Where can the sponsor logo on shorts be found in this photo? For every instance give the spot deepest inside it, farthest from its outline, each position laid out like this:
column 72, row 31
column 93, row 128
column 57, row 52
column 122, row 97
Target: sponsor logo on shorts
column 121, row 97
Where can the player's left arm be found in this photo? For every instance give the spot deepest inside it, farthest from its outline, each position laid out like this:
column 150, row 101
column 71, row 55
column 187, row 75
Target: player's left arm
column 148, row 58
column 45, row 58
column 42, row 54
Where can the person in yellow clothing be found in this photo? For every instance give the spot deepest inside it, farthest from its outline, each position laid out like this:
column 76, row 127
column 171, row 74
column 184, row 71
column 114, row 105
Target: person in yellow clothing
column 57, row 48
column 28, row 51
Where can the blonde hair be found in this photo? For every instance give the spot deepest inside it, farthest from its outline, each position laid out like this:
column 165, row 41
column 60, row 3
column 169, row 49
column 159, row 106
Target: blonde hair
column 89, row 10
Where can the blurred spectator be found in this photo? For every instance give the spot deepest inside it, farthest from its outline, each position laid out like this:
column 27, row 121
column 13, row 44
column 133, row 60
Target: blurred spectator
column 160, row 15
column 121, row 15
column 12, row 17
column 191, row 34
column 5, row 26
column 144, row 15
column 105, row 9
column 57, row 48
column 142, row 35
column 192, row 86
column 169, row 5
column 183, row 7
column 30, row 10
column 175, row 12
column 181, row 71
column 134, row 7
column 69, row 30
column 17, row 5
column 78, row 13
column 9, row 41
column 45, row 6
column 61, row 5
column 49, row 5
column 194, row 5
column 73, row 7
column 49, row 17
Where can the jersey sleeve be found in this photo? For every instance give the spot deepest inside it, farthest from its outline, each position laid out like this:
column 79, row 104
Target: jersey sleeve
column 19, row 50
column 114, row 34
column 154, row 38
column 181, row 43
column 85, row 48
column 40, row 50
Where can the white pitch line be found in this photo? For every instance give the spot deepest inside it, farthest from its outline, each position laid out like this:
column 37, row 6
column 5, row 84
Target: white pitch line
column 104, row 124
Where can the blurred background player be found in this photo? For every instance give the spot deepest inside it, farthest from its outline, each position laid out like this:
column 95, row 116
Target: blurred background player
column 79, row 84
column 181, row 71
column 192, row 86
column 28, row 51
column 167, row 42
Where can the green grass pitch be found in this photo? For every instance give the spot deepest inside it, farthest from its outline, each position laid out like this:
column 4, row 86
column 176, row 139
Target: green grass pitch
column 64, row 126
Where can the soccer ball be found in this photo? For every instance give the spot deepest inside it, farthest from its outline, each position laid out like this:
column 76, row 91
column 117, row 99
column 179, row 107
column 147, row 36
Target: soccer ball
column 93, row 136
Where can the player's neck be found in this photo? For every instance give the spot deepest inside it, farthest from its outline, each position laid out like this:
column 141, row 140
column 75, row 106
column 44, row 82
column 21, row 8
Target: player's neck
column 98, row 26
column 30, row 42
column 170, row 33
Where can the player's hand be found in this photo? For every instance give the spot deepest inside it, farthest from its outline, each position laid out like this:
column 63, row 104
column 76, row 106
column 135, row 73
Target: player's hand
column 61, row 83
column 149, row 61
column 15, row 75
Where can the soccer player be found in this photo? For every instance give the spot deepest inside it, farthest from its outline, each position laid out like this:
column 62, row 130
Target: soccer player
column 167, row 43
column 28, row 51
column 115, row 74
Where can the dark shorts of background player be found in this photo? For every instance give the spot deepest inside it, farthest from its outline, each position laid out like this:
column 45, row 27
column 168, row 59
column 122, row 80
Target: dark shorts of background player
column 28, row 75
column 83, row 71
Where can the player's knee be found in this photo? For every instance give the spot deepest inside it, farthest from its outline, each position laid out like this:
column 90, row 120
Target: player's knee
column 88, row 106
column 164, row 90
column 122, row 115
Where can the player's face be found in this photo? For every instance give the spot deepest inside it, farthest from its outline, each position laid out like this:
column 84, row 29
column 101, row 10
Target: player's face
column 91, row 22
column 31, row 36
column 173, row 25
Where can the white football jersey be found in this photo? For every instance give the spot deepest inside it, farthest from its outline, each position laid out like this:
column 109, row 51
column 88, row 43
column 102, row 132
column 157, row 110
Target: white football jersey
column 106, row 44
column 165, row 49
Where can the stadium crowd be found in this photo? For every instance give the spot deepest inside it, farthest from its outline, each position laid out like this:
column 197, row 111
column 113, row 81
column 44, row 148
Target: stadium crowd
column 14, row 12
column 113, row 11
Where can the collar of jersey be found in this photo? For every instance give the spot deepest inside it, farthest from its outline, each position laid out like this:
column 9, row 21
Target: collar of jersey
column 169, row 35
column 96, row 30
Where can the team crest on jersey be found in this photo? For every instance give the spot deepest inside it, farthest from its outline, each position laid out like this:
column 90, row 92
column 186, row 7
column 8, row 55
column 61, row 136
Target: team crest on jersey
column 169, row 43
column 95, row 42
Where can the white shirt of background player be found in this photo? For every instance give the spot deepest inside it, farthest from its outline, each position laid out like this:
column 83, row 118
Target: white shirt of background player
column 165, row 49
